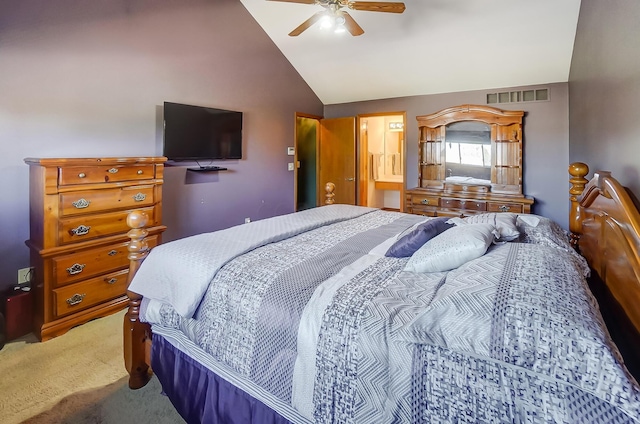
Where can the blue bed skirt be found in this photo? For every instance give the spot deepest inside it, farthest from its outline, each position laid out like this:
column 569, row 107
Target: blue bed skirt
column 199, row 395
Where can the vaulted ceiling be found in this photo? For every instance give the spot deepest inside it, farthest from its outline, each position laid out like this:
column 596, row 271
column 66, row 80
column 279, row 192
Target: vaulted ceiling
column 435, row 46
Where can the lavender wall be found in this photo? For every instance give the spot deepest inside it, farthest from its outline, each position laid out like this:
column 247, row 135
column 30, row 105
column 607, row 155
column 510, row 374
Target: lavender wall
column 546, row 139
column 605, row 90
column 85, row 79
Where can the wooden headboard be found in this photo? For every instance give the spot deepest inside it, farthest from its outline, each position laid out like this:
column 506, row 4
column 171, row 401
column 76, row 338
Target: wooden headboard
column 605, row 228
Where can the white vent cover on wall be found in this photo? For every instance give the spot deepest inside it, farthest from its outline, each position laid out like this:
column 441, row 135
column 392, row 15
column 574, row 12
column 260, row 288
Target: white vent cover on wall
column 537, row 95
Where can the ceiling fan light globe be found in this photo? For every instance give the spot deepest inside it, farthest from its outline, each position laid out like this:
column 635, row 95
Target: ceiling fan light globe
column 326, row 22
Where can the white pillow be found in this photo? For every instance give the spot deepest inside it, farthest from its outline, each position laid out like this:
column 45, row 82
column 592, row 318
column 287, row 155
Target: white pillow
column 530, row 220
column 504, row 222
column 452, row 248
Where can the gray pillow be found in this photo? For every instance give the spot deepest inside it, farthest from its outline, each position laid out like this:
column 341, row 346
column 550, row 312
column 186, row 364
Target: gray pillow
column 412, row 241
column 452, row 249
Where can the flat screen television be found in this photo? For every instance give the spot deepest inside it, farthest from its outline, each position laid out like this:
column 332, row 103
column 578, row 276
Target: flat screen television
column 193, row 133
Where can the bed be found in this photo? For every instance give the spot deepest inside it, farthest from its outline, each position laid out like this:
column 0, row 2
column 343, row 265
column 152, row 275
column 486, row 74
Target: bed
column 345, row 314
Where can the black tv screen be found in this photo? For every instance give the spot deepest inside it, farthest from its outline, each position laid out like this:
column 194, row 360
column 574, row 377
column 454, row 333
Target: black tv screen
column 201, row 133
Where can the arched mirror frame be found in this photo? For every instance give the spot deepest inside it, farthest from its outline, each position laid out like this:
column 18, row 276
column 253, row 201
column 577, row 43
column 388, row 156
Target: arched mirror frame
column 506, row 146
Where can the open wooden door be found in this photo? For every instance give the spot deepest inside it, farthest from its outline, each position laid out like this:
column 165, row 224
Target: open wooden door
column 338, row 159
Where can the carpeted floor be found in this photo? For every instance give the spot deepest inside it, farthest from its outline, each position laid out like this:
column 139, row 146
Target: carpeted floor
column 77, row 378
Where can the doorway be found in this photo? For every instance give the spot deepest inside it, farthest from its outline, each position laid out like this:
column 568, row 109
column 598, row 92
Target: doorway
column 382, row 165
column 364, row 157
column 324, row 151
column 306, row 161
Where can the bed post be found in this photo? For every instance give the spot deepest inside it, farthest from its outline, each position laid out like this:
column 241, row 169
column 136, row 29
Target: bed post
column 136, row 333
column 578, row 171
column 329, row 188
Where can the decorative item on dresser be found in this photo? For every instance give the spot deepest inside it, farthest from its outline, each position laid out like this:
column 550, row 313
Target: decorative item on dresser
column 78, row 234
column 470, row 162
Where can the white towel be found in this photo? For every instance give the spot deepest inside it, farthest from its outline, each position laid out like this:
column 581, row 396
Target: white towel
column 375, row 165
column 396, row 168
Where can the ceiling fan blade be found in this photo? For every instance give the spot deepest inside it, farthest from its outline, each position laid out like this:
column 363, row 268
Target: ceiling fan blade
column 306, row 24
column 351, row 25
column 297, row 1
column 378, row 6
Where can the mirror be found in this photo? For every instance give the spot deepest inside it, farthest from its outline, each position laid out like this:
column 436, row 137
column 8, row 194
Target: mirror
column 485, row 145
column 393, row 139
column 385, row 140
column 468, row 152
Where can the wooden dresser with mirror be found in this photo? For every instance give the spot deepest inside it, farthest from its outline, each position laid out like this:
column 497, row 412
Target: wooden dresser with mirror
column 469, row 162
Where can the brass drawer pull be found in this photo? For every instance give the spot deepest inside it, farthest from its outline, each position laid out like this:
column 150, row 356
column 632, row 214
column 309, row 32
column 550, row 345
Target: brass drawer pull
column 112, row 252
column 76, row 269
column 139, row 197
column 111, row 280
column 82, row 175
column 425, row 201
column 504, row 208
column 80, row 230
column 140, row 172
column 75, row 299
column 112, row 170
column 81, row 203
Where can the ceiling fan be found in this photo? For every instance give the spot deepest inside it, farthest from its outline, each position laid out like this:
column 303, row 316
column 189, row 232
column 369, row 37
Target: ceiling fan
column 334, row 17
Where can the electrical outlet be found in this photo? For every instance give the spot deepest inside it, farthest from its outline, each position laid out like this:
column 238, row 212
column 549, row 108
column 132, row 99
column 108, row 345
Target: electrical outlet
column 25, row 275
column 247, row 220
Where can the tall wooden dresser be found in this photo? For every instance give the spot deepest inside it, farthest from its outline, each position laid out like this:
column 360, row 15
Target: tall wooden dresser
column 78, row 241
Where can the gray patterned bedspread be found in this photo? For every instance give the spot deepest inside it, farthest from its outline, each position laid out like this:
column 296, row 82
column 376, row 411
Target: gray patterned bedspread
column 338, row 333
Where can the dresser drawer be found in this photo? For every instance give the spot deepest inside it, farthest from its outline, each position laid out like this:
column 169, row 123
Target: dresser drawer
column 423, row 211
column 465, row 188
column 89, row 263
column 82, row 295
column 504, row 207
column 79, row 202
column 81, row 228
column 451, row 213
column 424, row 200
column 92, row 174
column 473, row 205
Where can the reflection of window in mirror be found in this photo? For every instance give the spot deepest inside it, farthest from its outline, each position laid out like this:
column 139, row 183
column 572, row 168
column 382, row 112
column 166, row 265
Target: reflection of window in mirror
column 468, row 152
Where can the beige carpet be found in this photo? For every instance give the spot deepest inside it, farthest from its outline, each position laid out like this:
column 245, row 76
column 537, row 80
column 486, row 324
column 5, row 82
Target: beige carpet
column 77, row 378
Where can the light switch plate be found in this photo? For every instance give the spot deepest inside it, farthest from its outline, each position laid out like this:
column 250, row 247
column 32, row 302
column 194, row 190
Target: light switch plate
column 291, row 151
column 290, row 166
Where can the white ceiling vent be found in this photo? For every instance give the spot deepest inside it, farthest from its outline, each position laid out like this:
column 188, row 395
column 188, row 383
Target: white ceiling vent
column 537, row 95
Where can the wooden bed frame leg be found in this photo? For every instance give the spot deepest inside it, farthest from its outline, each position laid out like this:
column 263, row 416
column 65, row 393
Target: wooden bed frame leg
column 329, row 189
column 578, row 171
column 136, row 333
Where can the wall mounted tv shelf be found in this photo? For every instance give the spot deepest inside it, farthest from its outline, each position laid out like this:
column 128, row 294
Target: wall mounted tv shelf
column 211, row 168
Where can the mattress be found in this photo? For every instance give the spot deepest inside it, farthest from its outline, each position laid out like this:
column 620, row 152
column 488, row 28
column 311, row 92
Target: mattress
column 320, row 326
